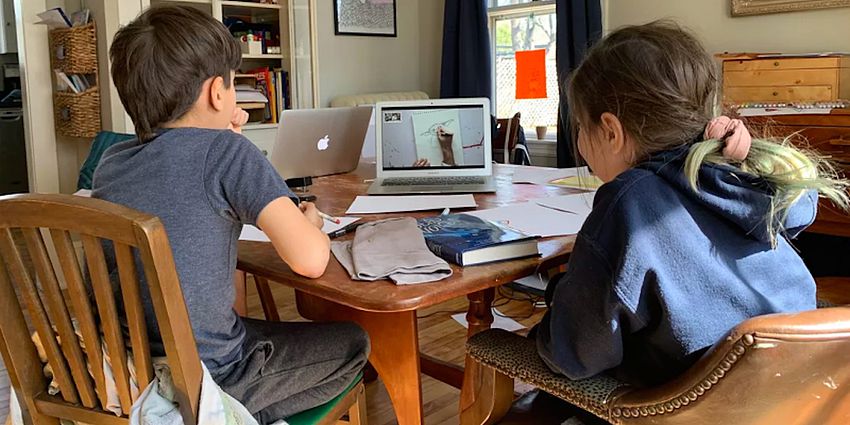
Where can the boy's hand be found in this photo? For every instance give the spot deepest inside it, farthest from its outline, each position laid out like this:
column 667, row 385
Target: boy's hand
column 312, row 213
column 239, row 118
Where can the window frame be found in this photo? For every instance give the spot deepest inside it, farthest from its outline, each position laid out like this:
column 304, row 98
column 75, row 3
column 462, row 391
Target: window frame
column 510, row 12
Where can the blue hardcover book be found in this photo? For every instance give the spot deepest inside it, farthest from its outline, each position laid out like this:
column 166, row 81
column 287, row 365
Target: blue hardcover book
column 467, row 240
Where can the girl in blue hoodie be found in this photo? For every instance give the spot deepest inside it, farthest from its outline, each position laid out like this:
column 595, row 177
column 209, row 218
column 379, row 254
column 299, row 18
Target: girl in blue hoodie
column 689, row 235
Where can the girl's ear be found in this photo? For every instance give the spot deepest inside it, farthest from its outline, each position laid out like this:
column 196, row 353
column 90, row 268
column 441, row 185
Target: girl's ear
column 216, row 93
column 613, row 133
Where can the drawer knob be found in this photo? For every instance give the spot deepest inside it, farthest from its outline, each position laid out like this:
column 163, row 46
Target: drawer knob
column 776, row 93
column 776, row 63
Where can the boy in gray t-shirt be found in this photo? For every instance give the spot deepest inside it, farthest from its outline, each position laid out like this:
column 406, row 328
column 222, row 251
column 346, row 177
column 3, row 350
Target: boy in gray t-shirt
column 173, row 67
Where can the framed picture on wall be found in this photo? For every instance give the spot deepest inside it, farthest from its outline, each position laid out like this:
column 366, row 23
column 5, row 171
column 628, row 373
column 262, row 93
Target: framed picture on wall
column 365, row 17
column 761, row 7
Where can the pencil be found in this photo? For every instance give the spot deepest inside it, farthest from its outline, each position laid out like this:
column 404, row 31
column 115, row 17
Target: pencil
column 330, row 218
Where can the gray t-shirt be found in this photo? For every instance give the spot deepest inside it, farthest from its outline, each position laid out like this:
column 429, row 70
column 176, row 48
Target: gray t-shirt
column 204, row 185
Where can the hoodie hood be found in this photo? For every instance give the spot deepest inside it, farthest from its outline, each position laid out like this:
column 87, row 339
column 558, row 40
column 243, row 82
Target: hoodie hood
column 739, row 197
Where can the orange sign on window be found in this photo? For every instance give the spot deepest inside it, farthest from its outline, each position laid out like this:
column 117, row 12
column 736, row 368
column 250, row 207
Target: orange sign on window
column 531, row 74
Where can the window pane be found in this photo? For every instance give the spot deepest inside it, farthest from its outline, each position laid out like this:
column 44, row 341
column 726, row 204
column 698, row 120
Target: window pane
column 498, row 3
column 534, row 31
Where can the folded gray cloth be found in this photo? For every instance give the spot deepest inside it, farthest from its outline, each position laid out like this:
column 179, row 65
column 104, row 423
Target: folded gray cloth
column 394, row 249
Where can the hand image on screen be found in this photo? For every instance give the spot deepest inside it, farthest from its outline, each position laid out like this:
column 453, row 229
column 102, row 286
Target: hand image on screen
column 422, row 162
column 445, row 138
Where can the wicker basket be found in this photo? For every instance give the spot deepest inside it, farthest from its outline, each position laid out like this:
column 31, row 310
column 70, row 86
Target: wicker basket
column 77, row 114
column 74, row 50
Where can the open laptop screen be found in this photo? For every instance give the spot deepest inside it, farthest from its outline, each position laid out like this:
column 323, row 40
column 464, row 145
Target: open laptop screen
column 445, row 137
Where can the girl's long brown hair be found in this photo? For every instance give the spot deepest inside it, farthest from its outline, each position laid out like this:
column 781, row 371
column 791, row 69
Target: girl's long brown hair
column 662, row 85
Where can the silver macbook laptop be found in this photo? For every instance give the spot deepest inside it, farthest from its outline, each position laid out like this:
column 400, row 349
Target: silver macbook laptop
column 433, row 146
column 319, row 142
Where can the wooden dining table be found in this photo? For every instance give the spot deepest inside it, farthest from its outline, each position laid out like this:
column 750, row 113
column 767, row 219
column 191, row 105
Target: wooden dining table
column 387, row 311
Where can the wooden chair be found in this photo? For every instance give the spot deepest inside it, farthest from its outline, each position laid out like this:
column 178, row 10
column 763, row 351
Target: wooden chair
column 782, row 368
column 506, row 138
column 47, row 224
column 52, row 220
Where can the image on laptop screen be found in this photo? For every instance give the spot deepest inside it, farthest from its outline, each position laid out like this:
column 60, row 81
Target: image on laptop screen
column 415, row 137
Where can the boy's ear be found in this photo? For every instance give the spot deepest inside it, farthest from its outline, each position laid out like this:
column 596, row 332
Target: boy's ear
column 613, row 132
column 217, row 91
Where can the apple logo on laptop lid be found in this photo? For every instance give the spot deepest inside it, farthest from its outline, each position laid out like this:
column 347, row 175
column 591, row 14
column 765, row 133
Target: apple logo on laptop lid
column 324, row 142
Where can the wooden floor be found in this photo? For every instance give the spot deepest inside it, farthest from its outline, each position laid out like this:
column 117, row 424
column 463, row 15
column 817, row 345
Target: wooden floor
column 439, row 335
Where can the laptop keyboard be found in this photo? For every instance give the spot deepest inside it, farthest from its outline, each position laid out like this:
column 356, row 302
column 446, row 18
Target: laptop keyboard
column 432, row 181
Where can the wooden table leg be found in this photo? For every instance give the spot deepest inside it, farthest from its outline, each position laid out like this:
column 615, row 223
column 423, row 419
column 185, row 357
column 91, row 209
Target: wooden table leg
column 480, row 312
column 395, row 349
column 480, row 317
column 267, row 299
column 475, row 394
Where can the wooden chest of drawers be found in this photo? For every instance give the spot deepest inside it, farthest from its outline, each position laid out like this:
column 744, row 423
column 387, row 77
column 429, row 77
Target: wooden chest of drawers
column 752, row 79
column 829, row 135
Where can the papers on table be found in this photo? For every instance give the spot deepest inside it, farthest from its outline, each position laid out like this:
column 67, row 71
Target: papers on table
column 85, row 193
column 252, row 233
column 581, row 182
column 532, row 219
column 544, row 175
column 574, row 178
column 555, row 216
column 390, row 204
column 499, row 322
column 579, row 204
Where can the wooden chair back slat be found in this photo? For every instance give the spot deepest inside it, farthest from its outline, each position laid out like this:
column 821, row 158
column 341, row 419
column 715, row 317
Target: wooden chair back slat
column 135, row 236
column 22, row 363
column 38, row 315
column 134, row 311
column 109, row 319
column 57, row 312
column 178, row 340
column 81, row 306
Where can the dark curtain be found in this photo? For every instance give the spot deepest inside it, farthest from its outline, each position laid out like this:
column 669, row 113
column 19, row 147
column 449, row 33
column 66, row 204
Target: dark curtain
column 579, row 26
column 466, row 50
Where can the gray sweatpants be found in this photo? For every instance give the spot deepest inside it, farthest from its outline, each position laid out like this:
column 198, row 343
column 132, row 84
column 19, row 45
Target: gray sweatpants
column 289, row 367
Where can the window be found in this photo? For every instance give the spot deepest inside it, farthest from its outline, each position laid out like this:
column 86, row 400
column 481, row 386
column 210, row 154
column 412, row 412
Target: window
column 520, row 25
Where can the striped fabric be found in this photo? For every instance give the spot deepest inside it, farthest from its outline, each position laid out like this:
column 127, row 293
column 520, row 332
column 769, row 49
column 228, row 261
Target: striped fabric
column 4, row 392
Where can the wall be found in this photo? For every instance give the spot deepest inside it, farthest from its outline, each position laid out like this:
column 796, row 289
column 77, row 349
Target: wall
column 36, row 83
column 355, row 64
column 811, row 31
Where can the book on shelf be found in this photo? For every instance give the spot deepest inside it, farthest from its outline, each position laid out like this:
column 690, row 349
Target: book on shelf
column 251, row 105
column 264, row 85
column 467, row 240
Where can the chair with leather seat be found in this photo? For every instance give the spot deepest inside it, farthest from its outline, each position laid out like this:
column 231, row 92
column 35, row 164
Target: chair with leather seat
column 772, row 369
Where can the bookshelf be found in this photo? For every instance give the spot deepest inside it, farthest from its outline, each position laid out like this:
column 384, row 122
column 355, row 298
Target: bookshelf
column 289, row 24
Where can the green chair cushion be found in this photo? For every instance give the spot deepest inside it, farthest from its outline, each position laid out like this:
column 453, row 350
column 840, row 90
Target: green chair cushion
column 101, row 143
column 314, row 415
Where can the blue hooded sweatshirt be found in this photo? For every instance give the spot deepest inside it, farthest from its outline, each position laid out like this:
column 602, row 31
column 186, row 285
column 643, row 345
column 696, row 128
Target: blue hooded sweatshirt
column 660, row 272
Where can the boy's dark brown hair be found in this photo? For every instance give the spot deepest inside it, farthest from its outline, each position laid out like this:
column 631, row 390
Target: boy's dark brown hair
column 161, row 60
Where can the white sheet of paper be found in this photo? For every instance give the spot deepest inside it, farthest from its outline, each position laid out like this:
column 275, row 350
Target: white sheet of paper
column 85, row 193
column 580, row 203
column 534, row 219
column 499, row 322
column 543, row 175
column 252, row 233
column 390, row 204
column 329, row 227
